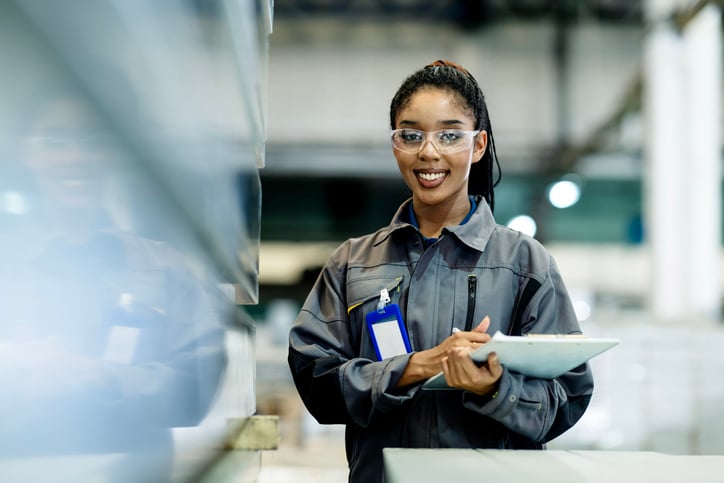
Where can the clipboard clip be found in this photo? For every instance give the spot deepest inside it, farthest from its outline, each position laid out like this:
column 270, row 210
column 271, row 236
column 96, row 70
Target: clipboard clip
column 384, row 300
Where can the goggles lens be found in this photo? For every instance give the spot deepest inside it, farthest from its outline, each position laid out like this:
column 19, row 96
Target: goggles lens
column 445, row 140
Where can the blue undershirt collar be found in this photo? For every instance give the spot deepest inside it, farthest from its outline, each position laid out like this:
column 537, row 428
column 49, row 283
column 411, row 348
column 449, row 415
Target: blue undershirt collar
column 429, row 241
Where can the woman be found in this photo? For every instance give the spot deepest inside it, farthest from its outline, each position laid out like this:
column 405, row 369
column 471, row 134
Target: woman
column 446, row 264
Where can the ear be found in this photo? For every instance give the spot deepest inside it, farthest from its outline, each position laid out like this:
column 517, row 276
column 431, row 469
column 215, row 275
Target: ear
column 481, row 144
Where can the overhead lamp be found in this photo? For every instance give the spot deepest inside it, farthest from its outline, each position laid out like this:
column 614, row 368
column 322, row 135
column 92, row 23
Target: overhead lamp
column 564, row 193
column 524, row 224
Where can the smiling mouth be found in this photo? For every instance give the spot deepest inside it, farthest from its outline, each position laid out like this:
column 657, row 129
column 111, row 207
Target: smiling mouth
column 430, row 176
column 431, row 179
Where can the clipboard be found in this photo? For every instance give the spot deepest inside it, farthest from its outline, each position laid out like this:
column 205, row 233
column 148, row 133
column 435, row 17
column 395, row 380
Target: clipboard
column 545, row 356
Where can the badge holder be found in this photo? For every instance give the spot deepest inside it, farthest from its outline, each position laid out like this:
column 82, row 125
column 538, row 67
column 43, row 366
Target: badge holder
column 387, row 329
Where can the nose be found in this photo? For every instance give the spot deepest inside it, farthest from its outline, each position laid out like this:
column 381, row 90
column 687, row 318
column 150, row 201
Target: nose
column 428, row 149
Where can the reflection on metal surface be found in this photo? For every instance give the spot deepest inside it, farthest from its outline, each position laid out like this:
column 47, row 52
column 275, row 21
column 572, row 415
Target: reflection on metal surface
column 130, row 141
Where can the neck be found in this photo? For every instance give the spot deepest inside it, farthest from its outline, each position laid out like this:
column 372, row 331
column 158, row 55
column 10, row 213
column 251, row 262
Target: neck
column 431, row 219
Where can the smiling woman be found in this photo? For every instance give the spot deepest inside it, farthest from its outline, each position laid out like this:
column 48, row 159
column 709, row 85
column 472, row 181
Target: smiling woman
column 444, row 276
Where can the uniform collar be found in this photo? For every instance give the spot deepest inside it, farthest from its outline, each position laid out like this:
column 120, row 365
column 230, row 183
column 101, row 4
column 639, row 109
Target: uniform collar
column 475, row 232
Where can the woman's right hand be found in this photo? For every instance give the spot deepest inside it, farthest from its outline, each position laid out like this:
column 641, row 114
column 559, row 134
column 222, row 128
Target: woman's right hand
column 425, row 364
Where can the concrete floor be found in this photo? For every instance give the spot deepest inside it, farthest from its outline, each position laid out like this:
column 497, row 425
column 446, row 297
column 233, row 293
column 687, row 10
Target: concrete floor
column 319, row 459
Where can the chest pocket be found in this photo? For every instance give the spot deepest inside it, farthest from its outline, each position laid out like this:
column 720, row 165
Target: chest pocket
column 363, row 294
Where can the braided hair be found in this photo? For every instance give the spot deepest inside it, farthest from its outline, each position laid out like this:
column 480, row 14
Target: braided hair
column 450, row 76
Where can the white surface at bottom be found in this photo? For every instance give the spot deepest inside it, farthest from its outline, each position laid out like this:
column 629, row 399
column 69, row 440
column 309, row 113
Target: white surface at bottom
column 462, row 466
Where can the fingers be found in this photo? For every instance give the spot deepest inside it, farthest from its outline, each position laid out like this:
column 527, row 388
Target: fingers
column 483, row 325
column 494, row 366
column 461, row 372
column 446, row 369
column 458, row 365
column 451, row 368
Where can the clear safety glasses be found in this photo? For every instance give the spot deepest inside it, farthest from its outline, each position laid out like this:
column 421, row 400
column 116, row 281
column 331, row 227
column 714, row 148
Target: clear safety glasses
column 446, row 141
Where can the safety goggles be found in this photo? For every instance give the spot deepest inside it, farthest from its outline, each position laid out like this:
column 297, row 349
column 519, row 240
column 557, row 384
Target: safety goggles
column 446, row 141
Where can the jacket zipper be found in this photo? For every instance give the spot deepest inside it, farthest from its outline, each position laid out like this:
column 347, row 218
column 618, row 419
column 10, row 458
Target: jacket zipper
column 472, row 284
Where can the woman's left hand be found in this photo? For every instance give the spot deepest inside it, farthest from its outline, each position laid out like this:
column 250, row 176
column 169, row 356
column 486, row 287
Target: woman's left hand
column 461, row 372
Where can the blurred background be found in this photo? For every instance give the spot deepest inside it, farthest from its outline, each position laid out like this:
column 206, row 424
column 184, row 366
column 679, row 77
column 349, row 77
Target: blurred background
column 174, row 175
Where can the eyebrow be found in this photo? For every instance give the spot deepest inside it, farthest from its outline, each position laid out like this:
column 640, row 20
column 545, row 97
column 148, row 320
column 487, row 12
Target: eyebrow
column 446, row 122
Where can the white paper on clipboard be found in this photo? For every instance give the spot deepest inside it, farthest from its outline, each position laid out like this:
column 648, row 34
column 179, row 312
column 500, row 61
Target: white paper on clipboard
column 543, row 356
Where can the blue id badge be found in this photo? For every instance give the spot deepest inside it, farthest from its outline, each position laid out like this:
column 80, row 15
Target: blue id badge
column 387, row 329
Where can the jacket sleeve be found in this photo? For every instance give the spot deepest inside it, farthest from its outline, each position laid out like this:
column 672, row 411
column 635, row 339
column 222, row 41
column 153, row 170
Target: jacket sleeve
column 540, row 409
column 335, row 384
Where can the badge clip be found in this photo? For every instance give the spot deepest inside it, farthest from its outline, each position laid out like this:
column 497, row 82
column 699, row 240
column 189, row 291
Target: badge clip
column 384, row 300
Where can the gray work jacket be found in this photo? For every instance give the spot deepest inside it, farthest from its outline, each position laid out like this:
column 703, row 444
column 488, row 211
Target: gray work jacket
column 473, row 270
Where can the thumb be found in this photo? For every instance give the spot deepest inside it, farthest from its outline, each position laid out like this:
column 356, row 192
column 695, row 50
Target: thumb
column 483, row 325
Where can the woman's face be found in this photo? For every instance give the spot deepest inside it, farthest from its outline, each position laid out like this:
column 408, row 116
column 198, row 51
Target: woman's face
column 435, row 178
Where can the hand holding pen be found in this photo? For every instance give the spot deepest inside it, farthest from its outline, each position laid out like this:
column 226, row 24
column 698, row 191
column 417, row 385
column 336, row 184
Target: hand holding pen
column 460, row 370
column 425, row 364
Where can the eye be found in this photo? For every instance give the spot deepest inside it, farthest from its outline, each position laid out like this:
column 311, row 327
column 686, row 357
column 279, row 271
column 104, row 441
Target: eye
column 450, row 136
column 411, row 135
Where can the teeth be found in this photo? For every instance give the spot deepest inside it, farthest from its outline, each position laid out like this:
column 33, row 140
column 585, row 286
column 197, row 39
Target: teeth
column 431, row 176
